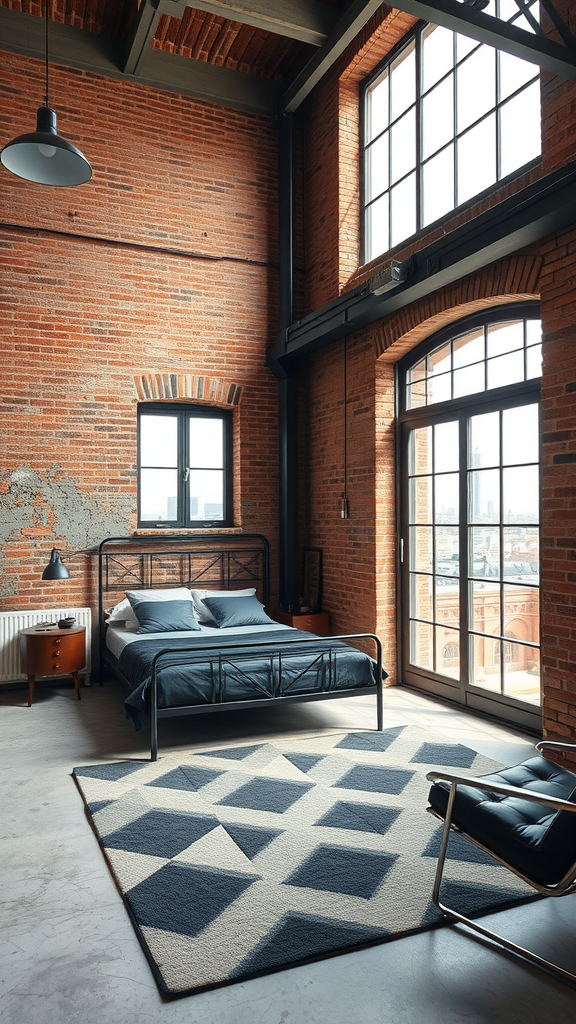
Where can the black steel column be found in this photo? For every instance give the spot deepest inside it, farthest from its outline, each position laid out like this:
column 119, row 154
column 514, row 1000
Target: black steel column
column 287, row 381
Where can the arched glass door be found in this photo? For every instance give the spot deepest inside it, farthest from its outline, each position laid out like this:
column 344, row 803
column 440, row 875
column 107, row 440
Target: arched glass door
column 470, row 497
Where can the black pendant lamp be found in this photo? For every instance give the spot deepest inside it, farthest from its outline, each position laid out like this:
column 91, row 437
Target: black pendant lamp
column 43, row 156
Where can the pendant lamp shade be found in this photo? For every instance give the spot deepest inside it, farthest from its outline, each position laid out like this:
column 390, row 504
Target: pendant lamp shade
column 42, row 156
column 55, row 570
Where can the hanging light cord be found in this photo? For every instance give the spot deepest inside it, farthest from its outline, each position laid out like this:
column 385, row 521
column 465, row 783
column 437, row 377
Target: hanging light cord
column 46, row 104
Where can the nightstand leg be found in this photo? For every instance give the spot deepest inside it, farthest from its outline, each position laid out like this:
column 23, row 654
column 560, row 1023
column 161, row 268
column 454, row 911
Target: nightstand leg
column 76, row 684
column 31, row 681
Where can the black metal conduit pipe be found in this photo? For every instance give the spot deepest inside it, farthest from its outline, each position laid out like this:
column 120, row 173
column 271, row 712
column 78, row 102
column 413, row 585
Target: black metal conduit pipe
column 287, row 377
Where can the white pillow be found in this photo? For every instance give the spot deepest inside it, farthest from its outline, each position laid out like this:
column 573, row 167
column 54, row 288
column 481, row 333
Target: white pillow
column 123, row 612
column 203, row 614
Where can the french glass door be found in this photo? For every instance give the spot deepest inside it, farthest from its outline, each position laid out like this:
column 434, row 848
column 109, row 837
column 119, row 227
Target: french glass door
column 470, row 554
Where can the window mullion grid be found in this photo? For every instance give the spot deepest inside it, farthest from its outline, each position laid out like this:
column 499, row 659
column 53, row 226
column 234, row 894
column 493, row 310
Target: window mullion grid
column 389, row 148
column 419, row 102
column 497, row 116
column 184, row 459
column 465, row 620
column 501, row 536
column 434, row 558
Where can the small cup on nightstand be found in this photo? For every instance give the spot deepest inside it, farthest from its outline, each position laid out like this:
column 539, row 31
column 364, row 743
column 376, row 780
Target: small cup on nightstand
column 66, row 623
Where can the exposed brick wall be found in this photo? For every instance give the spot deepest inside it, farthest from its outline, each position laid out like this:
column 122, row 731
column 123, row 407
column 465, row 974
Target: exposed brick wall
column 360, row 552
column 165, row 263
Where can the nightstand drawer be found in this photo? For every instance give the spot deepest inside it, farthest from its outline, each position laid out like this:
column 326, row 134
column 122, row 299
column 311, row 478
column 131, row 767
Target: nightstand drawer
column 53, row 652
column 314, row 622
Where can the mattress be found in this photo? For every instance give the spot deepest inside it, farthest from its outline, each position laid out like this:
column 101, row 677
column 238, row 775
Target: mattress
column 117, row 638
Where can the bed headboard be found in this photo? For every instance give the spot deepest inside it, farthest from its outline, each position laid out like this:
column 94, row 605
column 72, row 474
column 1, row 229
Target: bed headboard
column 207, row 561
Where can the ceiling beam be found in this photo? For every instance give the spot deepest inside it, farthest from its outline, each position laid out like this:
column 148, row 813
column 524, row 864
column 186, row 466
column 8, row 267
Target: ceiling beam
column 539, row 210
column 90, row 51
column 141, row 35
column 549, row 55
column 503, row 35
column 207, row 82
column 349, row 25
column 306, row 20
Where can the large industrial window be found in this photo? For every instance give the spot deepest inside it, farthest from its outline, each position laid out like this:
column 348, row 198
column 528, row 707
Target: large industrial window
column 470, row 523
column 446, row 118
column 184, row 466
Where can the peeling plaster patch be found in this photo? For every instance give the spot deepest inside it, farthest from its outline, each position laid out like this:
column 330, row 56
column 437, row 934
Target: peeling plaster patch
column 56, row 503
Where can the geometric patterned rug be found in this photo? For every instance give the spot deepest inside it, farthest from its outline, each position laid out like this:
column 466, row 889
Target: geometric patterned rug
column 239, row 861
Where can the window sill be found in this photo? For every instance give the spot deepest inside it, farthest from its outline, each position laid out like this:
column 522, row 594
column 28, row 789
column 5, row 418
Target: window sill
column 185, row 532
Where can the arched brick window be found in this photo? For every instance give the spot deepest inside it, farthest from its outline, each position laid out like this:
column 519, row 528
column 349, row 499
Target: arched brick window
column 470, row 496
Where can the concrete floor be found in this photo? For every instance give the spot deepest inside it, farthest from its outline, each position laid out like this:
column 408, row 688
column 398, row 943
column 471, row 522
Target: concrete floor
column 69, row 953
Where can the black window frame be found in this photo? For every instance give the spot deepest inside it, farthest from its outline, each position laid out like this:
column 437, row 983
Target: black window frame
column 184, row 412
column 463, row 691
column 415, row 37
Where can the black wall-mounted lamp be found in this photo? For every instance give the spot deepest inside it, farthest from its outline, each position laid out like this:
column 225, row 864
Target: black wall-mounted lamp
column 43, row 156
column 55, row 570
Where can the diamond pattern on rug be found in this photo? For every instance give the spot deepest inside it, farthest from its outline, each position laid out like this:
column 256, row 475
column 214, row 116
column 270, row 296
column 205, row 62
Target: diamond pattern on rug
column 252, row 839
column 183, row 898
column 109, row 772
column 272, row 854
column 305, row 762
column 371, row 740
column 458, row 849
column 303, row 937
column 360, row 817
column 447, row 754
column 161, row 833
column 231, row 753
column 368, row 779
column 186, row 778
column 346, row 871
column 261, row 794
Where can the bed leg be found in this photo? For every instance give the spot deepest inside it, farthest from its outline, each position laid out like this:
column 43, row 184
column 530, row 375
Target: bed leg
column 153, row 719
column 380, row 690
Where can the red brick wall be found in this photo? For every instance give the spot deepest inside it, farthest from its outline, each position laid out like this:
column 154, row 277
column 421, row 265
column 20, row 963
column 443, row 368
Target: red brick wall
column 166, row 262
column 359, row 554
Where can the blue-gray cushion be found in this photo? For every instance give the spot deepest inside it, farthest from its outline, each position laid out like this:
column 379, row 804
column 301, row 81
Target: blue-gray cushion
column 164, row 616
column 237, row 611
column 535, row 839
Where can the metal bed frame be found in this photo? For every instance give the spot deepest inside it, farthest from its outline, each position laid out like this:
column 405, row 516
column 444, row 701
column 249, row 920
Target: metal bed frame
column 213, row 561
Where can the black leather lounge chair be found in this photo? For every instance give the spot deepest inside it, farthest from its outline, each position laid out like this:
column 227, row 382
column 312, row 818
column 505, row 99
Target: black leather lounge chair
column 524, row 817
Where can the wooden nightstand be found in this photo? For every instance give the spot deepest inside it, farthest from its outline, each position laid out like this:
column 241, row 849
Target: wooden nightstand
column 52, row 652
column 314, row 622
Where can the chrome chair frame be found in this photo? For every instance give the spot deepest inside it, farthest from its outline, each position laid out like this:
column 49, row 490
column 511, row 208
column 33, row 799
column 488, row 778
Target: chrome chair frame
column 564, row 887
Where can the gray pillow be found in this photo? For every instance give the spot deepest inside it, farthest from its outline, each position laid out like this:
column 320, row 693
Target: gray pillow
column 163, row 616
column 237, row 611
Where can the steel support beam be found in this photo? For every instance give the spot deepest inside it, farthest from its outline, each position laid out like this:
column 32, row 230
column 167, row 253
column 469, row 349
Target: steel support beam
column 538, row 49
column 532, row 214
column 503, row 35
column 90, row 51
column 306, row 20
column 287, row 380
column 347, row 28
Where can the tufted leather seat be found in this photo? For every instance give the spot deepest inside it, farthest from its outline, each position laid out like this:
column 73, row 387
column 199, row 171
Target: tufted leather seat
column 536, row 841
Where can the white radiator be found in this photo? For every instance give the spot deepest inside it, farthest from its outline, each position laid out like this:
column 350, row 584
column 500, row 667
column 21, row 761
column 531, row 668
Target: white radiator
column 12, row 622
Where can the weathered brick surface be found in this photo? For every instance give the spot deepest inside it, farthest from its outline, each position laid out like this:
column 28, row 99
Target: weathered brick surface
column 165, row 263
column 361, row 587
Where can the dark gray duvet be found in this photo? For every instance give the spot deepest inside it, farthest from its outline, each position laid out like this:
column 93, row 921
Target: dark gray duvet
column 205, row 670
